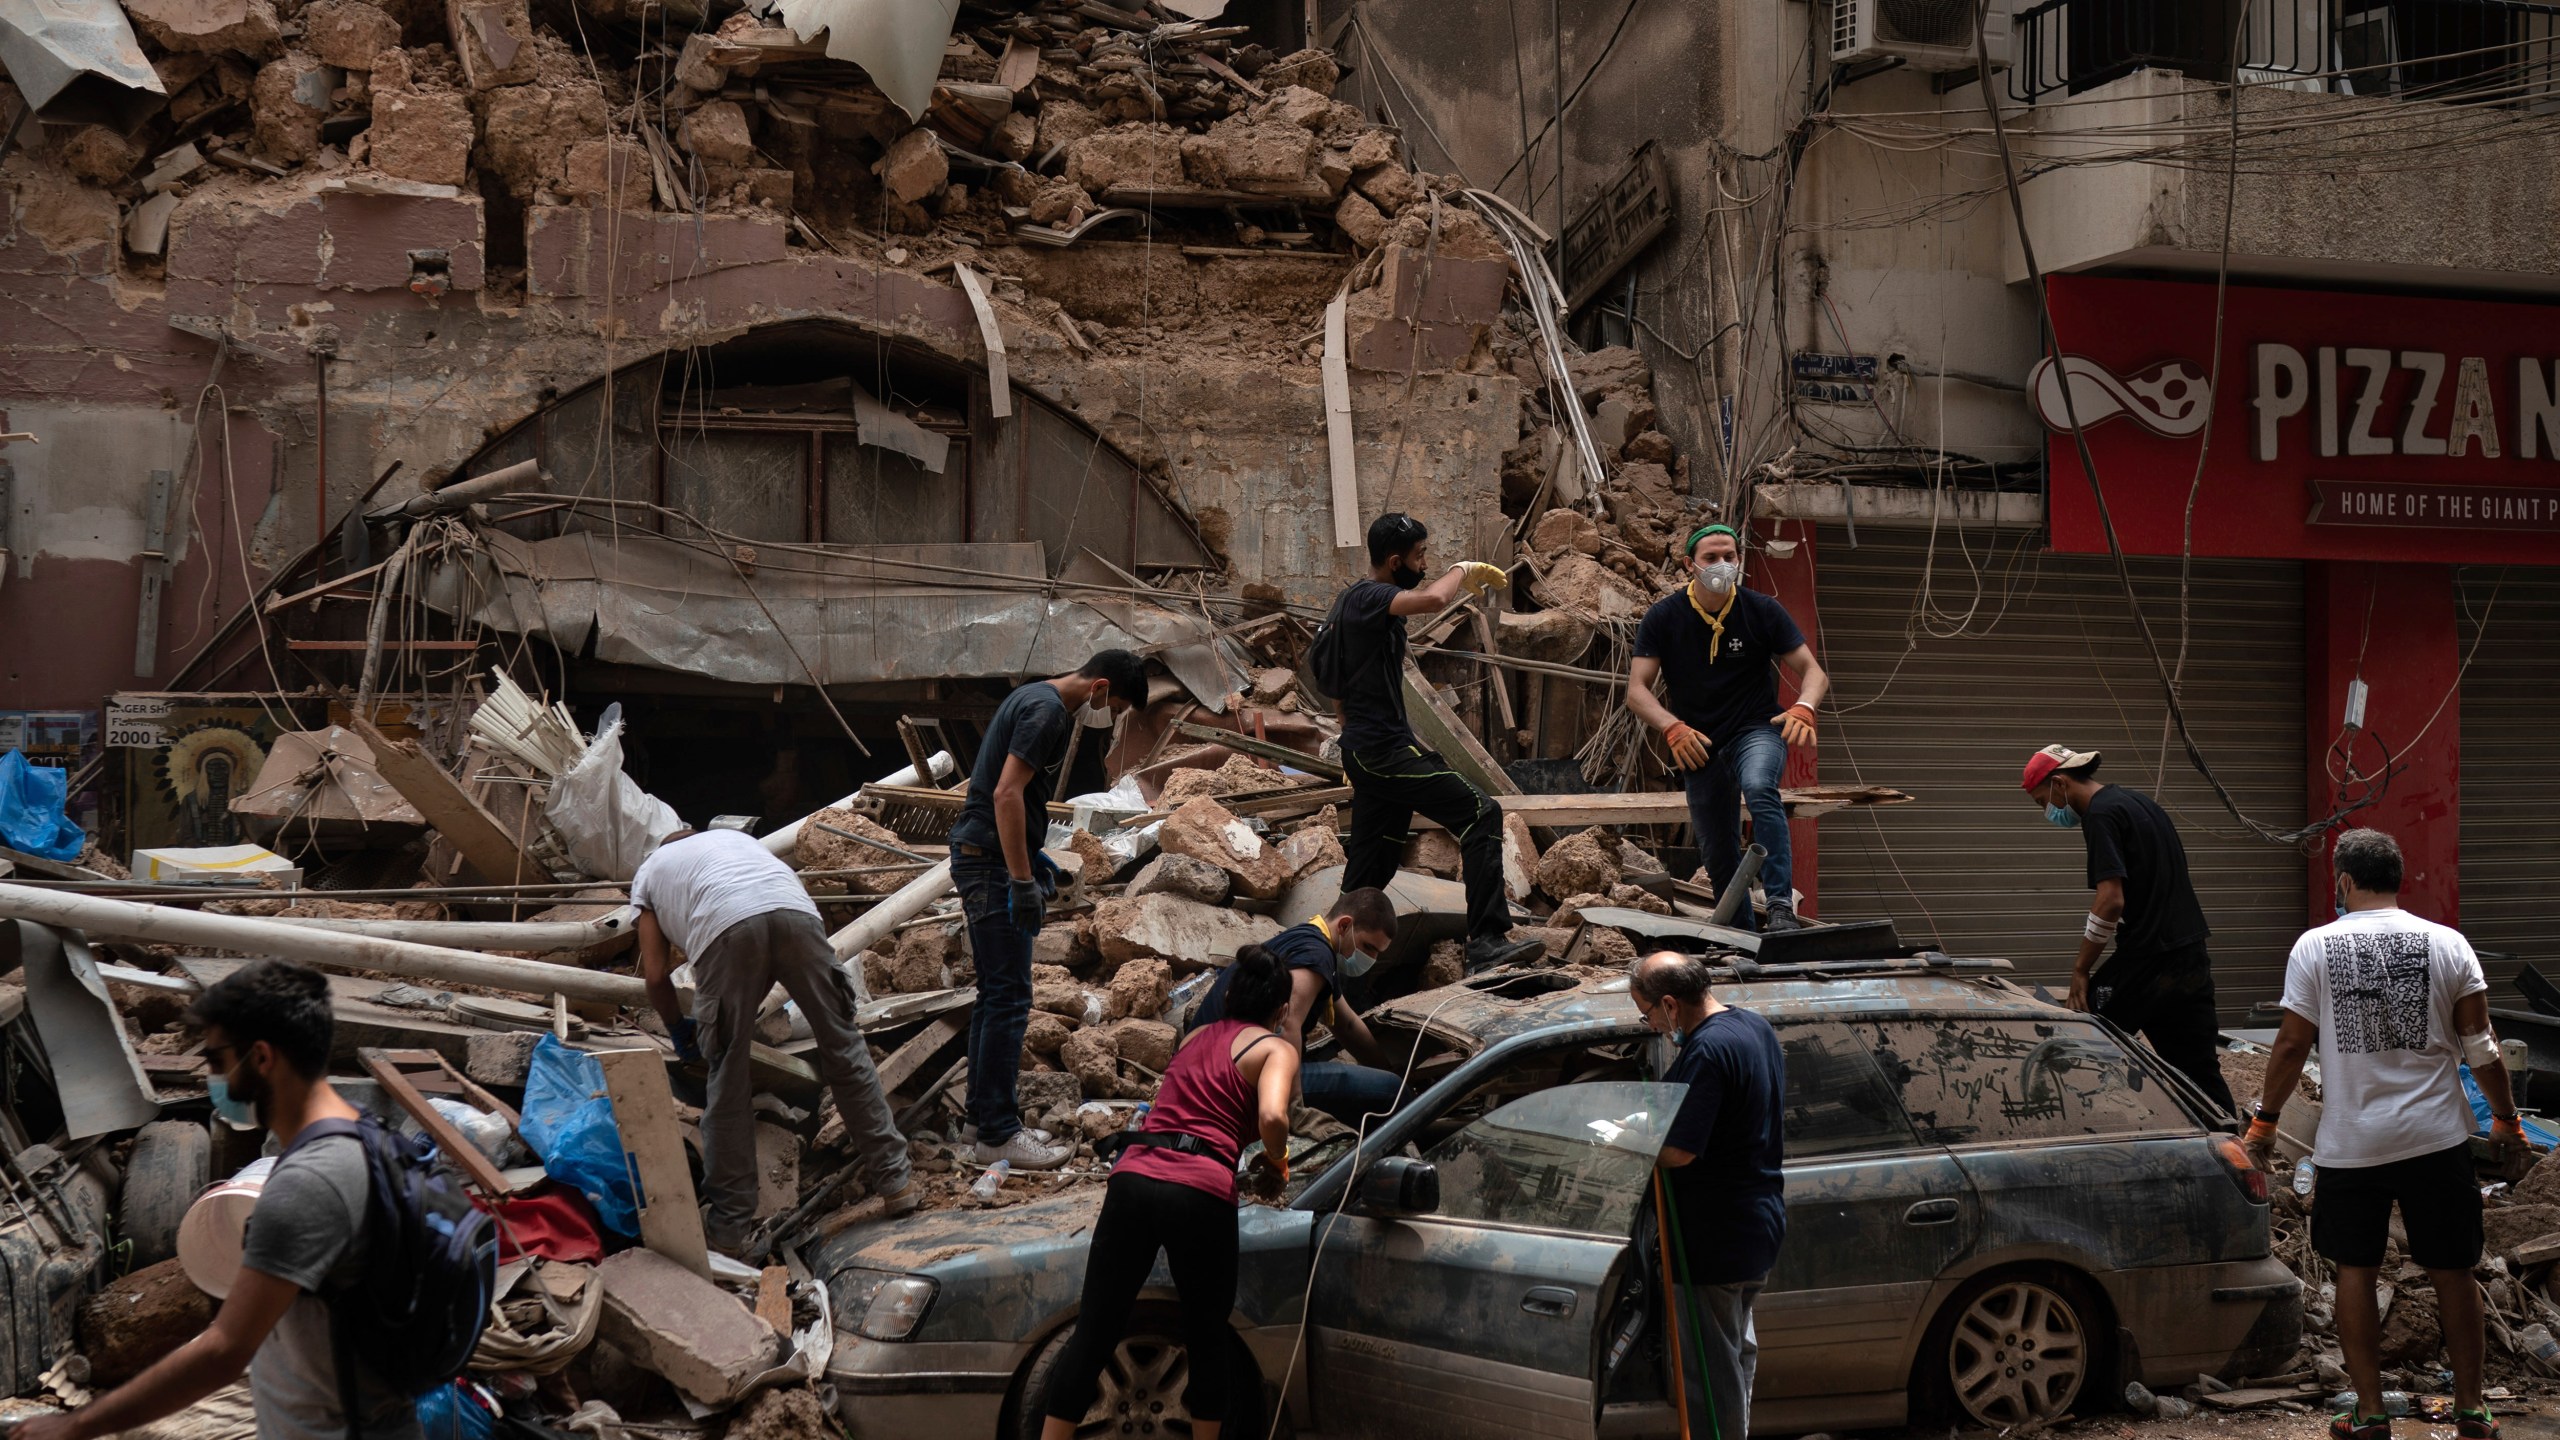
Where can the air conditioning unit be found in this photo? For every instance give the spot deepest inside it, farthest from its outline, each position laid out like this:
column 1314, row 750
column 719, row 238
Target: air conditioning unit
column 1924, row 34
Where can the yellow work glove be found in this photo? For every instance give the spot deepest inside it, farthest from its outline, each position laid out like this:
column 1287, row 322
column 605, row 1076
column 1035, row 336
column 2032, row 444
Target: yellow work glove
column 1795, row 723
column 1688, row 747
column 1481, row 577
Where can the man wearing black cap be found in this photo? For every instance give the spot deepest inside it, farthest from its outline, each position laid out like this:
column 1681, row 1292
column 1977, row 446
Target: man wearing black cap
column 1391, row 775
column 1712, row 644
column 2160, row 980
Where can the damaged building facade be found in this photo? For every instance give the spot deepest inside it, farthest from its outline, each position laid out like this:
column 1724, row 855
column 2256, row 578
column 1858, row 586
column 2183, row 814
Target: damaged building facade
column 1831, row 265
column 1070, row 330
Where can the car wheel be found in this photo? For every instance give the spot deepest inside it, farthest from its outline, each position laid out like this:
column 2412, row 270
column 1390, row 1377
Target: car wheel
column 2013, row 1349
column 169, row 1166
column 1139, row 1394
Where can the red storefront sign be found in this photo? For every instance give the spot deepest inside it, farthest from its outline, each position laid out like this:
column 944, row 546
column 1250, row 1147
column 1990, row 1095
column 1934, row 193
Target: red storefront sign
column 2346, row 426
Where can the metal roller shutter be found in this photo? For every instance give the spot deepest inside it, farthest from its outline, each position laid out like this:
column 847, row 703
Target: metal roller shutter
column 2050, row 654
column 2510, row 826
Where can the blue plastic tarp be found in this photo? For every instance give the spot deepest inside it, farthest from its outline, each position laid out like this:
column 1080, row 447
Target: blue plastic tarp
column 2535, row 1130
column 32, row 815
column 568, row 1120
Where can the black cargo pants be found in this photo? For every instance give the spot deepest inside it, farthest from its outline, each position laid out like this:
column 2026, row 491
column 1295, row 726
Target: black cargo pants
column 1387, row 788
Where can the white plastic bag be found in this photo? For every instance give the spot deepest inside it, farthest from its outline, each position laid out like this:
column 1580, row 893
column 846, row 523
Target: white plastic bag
column 608, row 822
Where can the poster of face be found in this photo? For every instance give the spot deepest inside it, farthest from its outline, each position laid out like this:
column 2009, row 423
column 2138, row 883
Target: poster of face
column 179, row 791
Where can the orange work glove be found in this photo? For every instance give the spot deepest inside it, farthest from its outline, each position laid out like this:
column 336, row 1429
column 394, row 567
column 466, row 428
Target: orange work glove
column 2260, row 1142
column 1688, row 747
column 2506, row 1137
column 1796, row 724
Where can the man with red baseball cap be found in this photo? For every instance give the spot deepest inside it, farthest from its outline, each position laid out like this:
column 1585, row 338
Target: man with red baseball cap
column 2160, row 980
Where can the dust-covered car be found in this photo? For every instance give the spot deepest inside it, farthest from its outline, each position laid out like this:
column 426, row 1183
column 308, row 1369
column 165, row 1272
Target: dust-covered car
column 1995, row 1206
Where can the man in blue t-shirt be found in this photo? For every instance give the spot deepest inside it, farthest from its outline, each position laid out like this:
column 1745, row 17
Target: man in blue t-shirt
column 1005, row 882
column 1346, row 940
column 1711, row 644
column 1725, row 1155
column 1391, row 774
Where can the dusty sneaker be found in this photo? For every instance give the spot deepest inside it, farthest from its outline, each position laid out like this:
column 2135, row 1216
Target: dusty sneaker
column 969, row 1134
column 1485, row 955
column 1781, row 918
column 902, row 1201
column 2348, row 1427
column 1024, row 1152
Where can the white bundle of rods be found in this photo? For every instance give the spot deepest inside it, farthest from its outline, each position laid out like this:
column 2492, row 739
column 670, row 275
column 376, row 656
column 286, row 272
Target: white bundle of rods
column 545, row 738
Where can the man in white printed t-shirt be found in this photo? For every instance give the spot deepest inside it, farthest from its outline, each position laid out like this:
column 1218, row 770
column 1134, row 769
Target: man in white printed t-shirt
column 747, row 923
column 2397, row 1006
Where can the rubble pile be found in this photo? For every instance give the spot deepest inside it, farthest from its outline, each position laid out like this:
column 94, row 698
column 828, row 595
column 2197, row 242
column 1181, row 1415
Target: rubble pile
column 1046, row 116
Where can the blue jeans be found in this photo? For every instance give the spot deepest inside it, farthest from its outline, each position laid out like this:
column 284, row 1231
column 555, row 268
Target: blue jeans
column 1345, row 1091
column 1748, row 768
column 1002, row 954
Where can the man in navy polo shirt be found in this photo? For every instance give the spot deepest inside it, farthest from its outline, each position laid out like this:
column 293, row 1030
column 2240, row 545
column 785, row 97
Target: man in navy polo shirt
column 1346, row 940
column 1711, row 645
column 1725, row 1162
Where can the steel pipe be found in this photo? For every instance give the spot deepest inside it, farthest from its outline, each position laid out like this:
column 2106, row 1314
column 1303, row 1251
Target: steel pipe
column 894, row 909
column 337, row 950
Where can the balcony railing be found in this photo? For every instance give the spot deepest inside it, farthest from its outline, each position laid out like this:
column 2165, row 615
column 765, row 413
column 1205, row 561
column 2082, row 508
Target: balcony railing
column 2481, row 52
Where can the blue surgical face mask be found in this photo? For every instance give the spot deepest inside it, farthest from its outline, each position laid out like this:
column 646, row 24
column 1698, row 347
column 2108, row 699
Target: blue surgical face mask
column 2063, row 815
column 230, row 1107
column 1358, row 962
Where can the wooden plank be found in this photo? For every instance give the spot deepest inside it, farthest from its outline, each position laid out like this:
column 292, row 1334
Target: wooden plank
column 482, row 1170
column 387, row 644
column 1264, row 749
column 644, row 1110
column 1342, row 457
column 1439, row 728
column 1019, row 65
column 2255, row 1398
column 1498, row 682
column 2531, row 1252
column 448, row 808
column 921, row 1047
column 1649, row 807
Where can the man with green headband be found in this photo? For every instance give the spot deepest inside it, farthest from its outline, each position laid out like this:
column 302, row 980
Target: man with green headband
column 1711, row 645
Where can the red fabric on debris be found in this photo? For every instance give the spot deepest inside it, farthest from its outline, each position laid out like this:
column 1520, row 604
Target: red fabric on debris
column 550, row 1221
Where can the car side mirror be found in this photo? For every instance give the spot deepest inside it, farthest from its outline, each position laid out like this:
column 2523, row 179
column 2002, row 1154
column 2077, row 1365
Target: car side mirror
column 1398, row 1185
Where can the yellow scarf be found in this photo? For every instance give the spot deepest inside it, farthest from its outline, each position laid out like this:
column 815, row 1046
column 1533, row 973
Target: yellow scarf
column 1715, row 622
column 1326, row 931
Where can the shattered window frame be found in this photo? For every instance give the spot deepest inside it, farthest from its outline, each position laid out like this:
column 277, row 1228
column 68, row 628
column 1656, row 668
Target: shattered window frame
column 1570, row 1159
column 1829, row 1083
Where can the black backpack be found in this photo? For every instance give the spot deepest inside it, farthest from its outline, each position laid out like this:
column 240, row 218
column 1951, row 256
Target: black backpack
column 415, row 1314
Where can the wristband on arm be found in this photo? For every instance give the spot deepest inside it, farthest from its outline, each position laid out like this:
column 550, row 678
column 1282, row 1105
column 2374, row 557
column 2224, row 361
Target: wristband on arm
column 2098, row 929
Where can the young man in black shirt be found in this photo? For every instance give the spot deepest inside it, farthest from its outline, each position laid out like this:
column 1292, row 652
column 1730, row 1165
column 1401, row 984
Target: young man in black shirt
column 1319, row 951
column 1712, row 643
column 2160, row 981
column 997, row 867
column 1391, row 775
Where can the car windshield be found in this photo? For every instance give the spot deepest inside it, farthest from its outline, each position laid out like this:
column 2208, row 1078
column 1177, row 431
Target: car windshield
column 1575, row 1157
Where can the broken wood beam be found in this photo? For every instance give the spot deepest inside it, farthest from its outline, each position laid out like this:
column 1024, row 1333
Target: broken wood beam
column 1261, row 749
column 448, row 808
column 1439, row 728
column 482, row 1171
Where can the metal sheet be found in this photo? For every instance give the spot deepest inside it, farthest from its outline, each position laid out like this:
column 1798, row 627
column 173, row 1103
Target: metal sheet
column 2509, row 829
column 78, row 60
column 94, row 1068
column 855, row 616
column 324, row 778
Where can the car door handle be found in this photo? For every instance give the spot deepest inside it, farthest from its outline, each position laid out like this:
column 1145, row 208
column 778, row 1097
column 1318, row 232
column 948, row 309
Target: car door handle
column 1553, row 1301
column 1931, row 1212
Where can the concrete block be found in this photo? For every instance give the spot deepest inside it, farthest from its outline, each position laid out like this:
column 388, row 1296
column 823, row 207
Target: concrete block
column 1188, row 876
column 422, row 135
column 914, row 167
column 1360, row 220
column 349, row 34
column 1126, row 155
column 285, row 111
column 500, row 1058
column 705, row 1341
column 1209, row 831
column 208, row 27
column 1170, row 927
column 718, row 131
column 614, row 170
column 1140, row 990
column 493, row 39
column 1248, row 154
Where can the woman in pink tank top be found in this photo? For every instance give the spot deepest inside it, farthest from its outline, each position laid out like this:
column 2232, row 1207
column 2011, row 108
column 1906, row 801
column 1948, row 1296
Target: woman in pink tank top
column 1174, row 1189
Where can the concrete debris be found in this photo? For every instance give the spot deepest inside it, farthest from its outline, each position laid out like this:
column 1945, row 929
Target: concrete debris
column 1170, row 927
column 137, row 1318
column 1581, row 864
column 1187, row 876
column 349, row 34
column 1208, row 830
column 208, row 27
column 1139, row 988
column 705, row 1341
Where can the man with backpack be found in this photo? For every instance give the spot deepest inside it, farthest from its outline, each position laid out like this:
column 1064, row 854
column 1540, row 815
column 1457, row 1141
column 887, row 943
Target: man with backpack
column 1358, row 658
column 319, row 1229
